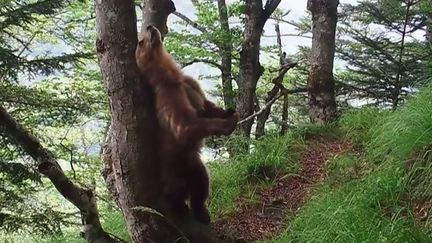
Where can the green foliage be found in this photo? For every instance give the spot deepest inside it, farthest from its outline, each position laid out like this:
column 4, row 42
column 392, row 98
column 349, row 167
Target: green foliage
column 406, row 138
column 273, row 155
column 21, row 36
column 17, row 13
column 227, row 182
column 270, row 157
column 358, row 123
column 407, row 131
column 112, row 221
column 345, row 168
column 307, row 131
column 385, row 61
column 194, row 46
column 58, row 110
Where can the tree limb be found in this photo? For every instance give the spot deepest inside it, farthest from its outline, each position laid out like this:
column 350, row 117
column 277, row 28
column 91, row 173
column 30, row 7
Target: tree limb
column 289, row 35
column 268, row 104
column 292, row 23
column 270, row 7
column 82, row 198
column 210, row 62
column 190, row 22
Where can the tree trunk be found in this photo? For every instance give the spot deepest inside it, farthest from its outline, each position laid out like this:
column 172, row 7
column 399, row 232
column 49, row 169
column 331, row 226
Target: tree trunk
column 401, row 69
column 429, row 28
column 263, row 117
column 282, row 56
column 321, row 83
column 250, row 67
column 225, row 50
column 156, row 13
column 285, row 106
column 130, row 156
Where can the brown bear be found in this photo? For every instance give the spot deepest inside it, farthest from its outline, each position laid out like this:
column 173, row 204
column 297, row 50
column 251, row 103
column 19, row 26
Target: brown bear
column 186, row 117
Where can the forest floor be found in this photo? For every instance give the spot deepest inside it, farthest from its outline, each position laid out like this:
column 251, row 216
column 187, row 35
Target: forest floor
column 273, row 206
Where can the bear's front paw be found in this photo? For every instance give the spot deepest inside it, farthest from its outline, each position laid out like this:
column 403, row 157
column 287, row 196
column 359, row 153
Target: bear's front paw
column 231, row 123
column 227, row 113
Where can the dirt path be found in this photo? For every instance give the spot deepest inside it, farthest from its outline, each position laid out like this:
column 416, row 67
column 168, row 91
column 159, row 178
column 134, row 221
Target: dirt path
column 266, row 218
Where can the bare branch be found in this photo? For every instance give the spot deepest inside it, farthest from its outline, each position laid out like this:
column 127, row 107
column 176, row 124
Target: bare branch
column 289, row 35
column 82, row 198
column 273, row 100
column 282, row 20
column 267, row 105
column 190, row 22
column 292, row 23
column 210, row 62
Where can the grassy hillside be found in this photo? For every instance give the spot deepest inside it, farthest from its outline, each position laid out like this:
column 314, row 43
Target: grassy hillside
column 378, row 191
column 382, row 192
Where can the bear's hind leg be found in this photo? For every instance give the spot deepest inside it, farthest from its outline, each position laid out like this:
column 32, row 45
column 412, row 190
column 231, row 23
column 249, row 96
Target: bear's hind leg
column 198, row 183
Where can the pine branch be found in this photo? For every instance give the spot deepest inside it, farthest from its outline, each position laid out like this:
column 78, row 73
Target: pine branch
column 25, row 14
column 41, row 65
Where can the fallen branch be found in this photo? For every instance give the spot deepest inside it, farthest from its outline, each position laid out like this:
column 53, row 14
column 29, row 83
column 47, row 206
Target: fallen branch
column 83, row 199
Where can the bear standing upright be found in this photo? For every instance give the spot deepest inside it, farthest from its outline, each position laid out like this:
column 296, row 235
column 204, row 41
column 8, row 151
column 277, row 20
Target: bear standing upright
column 186, row 117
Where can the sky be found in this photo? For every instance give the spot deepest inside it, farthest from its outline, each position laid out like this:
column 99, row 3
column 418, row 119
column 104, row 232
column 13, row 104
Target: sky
column 290, row 43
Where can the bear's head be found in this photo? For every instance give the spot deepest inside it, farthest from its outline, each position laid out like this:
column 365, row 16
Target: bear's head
column 149, row 48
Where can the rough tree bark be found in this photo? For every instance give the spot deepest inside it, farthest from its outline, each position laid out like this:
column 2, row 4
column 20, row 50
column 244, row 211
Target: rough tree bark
column 131, row 155
column 131, row 161
column 156, row 13
column 83, row 199
column 321, row 83
column 250, row 67
column 225, row 50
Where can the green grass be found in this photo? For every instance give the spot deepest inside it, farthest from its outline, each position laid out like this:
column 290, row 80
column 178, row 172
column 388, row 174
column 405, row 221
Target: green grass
column 345, row 168
column 358, row 124
column 358, row 210
column 406, row 131
column 369, row 196
column 271, row 156
column 112, row 221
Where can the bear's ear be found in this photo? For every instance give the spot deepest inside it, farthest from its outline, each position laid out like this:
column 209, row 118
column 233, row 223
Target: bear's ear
column 155, row 37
